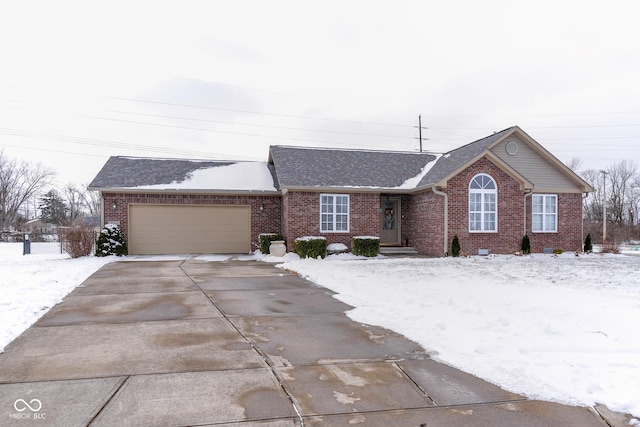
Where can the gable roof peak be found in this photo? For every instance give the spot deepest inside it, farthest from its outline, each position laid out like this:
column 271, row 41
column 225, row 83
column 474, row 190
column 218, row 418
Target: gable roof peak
column 488, row 140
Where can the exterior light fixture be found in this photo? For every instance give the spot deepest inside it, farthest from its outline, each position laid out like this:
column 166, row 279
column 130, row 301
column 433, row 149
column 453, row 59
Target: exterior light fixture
column 114, row 205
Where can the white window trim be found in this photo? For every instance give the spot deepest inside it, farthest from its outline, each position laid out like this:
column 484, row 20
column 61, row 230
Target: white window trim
column 482, row 212
column 544, row 214
column 334, row 213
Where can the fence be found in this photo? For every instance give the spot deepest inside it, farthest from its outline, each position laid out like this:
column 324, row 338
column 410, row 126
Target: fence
column 49, row 245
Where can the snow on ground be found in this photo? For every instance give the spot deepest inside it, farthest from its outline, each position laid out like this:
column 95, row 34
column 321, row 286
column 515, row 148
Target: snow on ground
column 560, row 328
column 31, row 284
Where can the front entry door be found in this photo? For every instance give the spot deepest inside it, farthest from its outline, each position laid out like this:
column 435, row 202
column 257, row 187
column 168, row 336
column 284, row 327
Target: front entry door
column 390, row 221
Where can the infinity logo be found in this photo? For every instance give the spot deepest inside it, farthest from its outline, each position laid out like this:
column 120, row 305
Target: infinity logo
column 21, row 405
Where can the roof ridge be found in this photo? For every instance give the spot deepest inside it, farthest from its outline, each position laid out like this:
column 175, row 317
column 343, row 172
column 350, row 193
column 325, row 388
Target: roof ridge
column 173, row 159
column 484, row 137
column 298, row 147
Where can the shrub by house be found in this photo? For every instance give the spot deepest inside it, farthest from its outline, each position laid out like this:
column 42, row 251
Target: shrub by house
column 111, row 242
column 310, row 247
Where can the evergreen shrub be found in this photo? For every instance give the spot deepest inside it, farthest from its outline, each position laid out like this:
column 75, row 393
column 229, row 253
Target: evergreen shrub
column 310, row 247
column 455, row 246
column 526, row 245
column 368, row 246
column 111, row 242
column 588, row 246
column 266, row 239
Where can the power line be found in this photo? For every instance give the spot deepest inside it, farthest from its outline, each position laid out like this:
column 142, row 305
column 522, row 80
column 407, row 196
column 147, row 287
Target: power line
column 254, row 112
column 209, row 130
column 113, row 144
column 245, row 124
column 277, row 138
column 49, row 150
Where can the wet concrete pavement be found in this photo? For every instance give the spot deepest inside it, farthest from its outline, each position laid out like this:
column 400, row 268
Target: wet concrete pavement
column 236, row 343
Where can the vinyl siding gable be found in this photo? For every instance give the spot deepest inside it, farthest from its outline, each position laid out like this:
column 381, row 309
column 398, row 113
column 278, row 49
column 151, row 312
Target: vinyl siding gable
column 544, row 175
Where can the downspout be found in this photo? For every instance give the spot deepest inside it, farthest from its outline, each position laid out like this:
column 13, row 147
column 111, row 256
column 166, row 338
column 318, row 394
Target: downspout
column 101, row 209
column 584, row 196
column 527, row 194
column 446, row 217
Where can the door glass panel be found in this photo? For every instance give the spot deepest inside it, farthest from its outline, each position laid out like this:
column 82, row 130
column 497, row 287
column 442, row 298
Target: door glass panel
column 389, row 212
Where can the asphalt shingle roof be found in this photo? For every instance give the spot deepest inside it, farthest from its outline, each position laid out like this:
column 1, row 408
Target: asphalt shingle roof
column 129, row 172
column 299, row 167
column 455, row 159
column 318, row 167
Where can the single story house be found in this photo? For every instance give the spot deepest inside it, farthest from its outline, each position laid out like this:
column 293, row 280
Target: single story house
column 37, row 226
column 489, row 193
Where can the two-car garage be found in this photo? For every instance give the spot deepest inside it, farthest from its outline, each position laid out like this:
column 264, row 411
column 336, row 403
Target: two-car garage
column 189, row 229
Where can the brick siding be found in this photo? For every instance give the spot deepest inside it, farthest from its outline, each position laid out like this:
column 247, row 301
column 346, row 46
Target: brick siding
column 569, row 236
column 510, row 211
column 425, row 222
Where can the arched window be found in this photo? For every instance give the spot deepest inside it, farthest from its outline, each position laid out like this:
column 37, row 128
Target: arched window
column 483, row 212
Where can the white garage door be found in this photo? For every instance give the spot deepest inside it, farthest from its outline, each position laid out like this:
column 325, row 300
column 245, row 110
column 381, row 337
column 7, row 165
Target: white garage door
column 180, row 229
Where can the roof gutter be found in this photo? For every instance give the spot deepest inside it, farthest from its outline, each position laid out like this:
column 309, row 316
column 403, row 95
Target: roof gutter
column 446, row 217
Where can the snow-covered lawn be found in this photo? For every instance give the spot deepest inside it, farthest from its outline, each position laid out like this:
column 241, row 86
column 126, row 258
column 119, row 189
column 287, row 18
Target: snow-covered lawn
column 561, row 328
column 31, row 284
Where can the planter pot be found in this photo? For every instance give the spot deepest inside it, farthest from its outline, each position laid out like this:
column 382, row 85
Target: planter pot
column 277, row 248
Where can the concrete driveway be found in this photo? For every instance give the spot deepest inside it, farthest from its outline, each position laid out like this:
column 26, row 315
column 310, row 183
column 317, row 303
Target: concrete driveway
column 236, row 343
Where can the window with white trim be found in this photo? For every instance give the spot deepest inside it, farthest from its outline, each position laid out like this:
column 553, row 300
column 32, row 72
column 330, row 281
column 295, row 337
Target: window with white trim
column 334, row 213
column 483, row 212
column 545, row 213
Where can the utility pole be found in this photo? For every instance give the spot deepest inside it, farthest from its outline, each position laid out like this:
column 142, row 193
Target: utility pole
column 604, row 207
column 420, row 130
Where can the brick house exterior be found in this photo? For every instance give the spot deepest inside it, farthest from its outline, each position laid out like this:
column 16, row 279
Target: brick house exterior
column 419, row 200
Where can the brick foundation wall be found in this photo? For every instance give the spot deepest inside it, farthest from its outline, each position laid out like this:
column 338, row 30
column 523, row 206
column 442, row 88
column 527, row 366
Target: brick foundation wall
column 301, row 217
column 267, row 220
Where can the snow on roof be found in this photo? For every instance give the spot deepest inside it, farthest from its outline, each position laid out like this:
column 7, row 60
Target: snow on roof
column 413, row 182
column 242, row 176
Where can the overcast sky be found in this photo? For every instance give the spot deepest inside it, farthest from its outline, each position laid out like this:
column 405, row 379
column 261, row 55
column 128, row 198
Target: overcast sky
column 82, row 81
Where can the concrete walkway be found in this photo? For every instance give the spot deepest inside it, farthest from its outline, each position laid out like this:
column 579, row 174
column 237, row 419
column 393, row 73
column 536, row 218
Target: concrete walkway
column 236, row 343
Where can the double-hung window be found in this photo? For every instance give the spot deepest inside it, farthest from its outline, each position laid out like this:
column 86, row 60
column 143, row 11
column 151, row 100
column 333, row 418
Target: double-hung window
column 545, row 213
column 483, row 213
column 334, row 213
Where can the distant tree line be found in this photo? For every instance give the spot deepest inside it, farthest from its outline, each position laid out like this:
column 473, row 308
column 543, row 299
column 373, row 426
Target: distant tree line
column 27, row 192
column 617, row 186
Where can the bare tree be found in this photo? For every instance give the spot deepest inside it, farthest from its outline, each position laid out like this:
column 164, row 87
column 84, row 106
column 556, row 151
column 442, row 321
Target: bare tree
column 80, row 201
column 91, row 201
column 634, row 208
column 19, row 181
column 575, row 164
column 593, row 202
column 75, row 201
column 620, row 176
